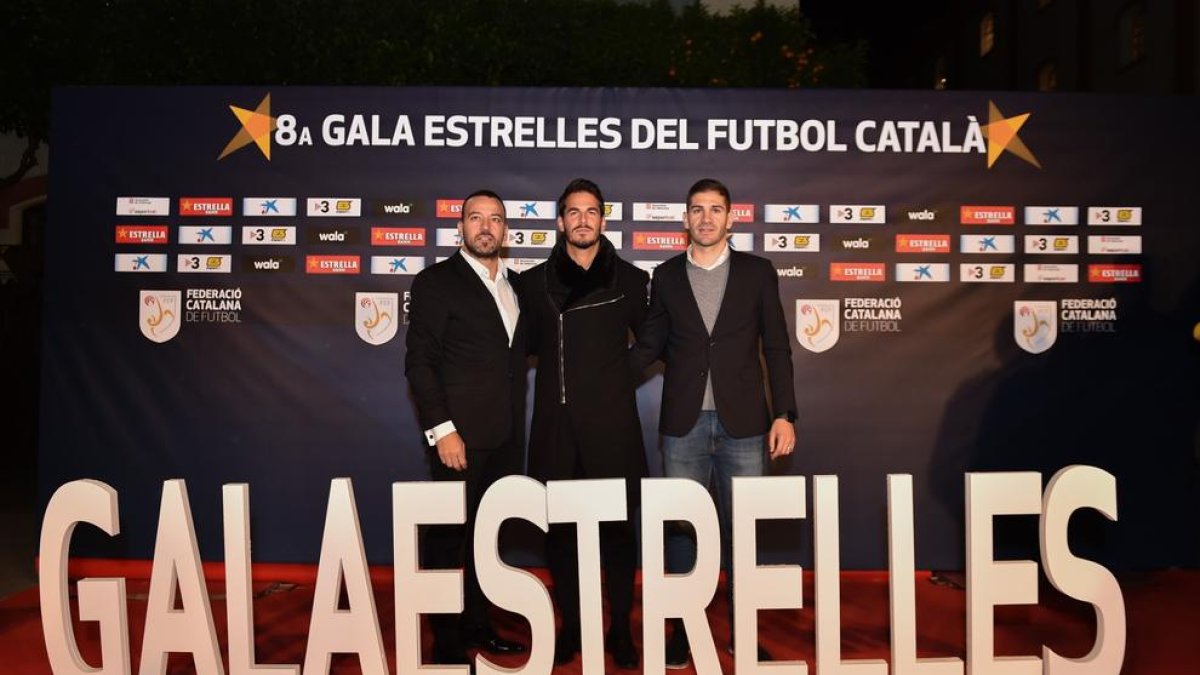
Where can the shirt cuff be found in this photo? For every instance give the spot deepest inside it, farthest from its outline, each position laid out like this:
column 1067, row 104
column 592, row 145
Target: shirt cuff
column 432, row 436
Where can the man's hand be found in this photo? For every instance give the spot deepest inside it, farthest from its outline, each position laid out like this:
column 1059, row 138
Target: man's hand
column 452, row 451
column 782, row 438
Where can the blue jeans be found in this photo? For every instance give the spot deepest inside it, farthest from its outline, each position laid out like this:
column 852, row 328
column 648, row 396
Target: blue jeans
column 707, row 450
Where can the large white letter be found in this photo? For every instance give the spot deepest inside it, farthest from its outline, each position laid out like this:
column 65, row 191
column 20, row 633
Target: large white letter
column 776, row 587
column 239, row 601
column 102, row 600
column 678, row 595
column 354, row 630
column 177, row 563
column 420, row 591
column 901, row 572
column 1072, row 488
column 991, row 583
column 828, row 562
column 510, row 587
column 587, row 503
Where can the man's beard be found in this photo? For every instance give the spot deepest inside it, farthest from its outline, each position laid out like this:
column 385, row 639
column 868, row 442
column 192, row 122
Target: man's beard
column 584, row 245
column 478, row 252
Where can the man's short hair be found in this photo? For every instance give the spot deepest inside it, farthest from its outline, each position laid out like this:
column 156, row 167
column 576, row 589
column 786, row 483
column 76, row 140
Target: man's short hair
column 580, row 185
column 483, row 193
column 710, row 185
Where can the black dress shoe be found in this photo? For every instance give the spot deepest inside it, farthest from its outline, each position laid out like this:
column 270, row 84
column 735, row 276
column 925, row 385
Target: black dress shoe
column 619, row 643
column 487, row 640
column 566, row 646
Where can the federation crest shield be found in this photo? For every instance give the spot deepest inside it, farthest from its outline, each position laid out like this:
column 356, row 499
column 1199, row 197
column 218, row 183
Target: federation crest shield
column 1035, row 325
column 158, row 314
column 817, row 324
column 375, row 316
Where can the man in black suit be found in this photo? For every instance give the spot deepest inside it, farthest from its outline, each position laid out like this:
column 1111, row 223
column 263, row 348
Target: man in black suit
column 583, row 303
column 713, row 310
column 465, row 364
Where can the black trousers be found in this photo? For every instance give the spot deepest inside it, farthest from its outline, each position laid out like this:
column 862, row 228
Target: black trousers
column 618, row 551
column 450, row 546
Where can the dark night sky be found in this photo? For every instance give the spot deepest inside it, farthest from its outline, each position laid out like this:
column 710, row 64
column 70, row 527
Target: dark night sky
column 898, row 35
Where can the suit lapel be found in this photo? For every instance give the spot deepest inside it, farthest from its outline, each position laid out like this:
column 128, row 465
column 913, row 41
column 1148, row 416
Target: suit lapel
column 686, row 283
column 735, row 286
column 472, row 281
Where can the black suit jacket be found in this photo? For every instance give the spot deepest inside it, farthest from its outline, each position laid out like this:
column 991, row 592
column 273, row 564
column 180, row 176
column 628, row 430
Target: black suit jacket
column 458, row 361
column 751, row 315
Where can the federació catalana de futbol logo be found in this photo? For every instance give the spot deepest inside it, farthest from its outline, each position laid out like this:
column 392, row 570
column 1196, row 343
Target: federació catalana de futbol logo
column 159, row 314
column 258, row 127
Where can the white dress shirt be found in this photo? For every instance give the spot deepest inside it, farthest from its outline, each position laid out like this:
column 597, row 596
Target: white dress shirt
column 714, row 264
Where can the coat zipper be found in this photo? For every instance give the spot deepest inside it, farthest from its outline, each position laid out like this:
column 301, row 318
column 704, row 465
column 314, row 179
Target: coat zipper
column 562, row 368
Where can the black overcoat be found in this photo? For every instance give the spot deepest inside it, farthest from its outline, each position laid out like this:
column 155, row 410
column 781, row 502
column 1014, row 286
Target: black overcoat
column 581, row 330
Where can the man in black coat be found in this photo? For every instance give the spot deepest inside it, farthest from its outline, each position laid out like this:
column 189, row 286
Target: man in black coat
column 465, row 364
column 713, row 311
column 582, row 305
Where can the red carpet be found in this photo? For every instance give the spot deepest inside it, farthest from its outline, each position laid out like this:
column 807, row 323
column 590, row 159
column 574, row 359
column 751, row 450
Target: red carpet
column 1163, row 618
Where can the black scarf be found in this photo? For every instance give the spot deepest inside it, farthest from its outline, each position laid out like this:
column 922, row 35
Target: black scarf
column 568, row 282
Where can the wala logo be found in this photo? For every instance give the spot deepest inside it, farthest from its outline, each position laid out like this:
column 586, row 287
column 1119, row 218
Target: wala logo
column 397, row 236
column 375, row 316
column 398, row 208
column 918, row 214
column 1035, row 325
column 659, row 241
column 334, row 235
column 142, row 234
column 268, row 263
column 158, row 315
column 817, row 324
column 206, row 206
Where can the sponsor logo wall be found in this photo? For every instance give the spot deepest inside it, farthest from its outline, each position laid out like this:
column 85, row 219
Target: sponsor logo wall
column 272, row 286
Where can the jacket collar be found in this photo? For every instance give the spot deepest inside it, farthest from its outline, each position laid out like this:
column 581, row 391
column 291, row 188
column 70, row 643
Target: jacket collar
column 568, row 283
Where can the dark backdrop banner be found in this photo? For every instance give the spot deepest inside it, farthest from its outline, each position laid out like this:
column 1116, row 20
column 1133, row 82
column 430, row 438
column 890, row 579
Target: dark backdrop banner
column 975, row 282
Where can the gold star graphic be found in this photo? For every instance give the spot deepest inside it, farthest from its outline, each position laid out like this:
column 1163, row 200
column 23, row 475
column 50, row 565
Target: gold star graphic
column 257, row 126
column 1001, row 133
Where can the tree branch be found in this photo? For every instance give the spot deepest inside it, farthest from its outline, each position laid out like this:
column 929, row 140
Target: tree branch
column 28, row 161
